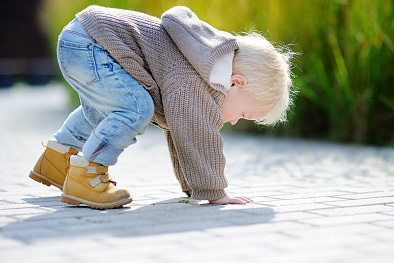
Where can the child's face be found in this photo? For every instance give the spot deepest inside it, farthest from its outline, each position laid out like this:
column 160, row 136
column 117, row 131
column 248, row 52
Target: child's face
column 238, row 104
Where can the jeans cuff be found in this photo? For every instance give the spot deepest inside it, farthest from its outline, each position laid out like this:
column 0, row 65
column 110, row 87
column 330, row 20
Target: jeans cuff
column 98, row 151
column 64, row 136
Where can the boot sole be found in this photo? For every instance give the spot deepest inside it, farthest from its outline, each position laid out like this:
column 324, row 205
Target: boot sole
column 43, row 179
column 72, row 200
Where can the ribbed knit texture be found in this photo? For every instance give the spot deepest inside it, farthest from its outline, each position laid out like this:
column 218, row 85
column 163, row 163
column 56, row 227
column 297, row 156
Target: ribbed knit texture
column 186, row 107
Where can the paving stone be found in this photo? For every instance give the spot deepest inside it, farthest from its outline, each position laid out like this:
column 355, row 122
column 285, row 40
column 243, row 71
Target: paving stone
column 389, row 224
column 297, row 201
column 375, row 194
column 362, row 209
column 364, row 201
column 349, row 219
column 311, row 207
column 390, row 212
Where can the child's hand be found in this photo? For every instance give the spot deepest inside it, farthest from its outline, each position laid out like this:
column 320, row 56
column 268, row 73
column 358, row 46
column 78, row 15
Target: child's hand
column 232, row 200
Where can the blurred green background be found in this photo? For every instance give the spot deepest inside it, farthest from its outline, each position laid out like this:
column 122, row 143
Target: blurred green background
column 344, row 75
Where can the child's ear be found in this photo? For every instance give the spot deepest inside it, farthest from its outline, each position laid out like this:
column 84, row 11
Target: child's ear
column 238, row 80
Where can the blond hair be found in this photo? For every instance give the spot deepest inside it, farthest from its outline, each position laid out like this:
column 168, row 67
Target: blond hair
column 268, row 73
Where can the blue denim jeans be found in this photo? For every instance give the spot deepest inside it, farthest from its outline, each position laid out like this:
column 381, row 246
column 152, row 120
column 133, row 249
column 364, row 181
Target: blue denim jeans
column 114, row 106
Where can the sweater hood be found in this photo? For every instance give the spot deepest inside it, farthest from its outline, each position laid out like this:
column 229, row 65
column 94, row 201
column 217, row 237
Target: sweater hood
column 201, row 44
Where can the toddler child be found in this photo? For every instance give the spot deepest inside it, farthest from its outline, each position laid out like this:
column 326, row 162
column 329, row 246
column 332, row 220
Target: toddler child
column 179, row 73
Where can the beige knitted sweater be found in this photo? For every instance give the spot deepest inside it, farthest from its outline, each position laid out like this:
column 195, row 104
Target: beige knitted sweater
column 172, row 58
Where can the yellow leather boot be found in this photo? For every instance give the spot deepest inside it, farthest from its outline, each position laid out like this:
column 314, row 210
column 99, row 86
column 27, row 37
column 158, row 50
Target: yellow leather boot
column 90, row 184
column 52, row 167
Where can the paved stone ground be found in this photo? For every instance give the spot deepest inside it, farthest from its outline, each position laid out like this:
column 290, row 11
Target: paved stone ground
column 314, row 201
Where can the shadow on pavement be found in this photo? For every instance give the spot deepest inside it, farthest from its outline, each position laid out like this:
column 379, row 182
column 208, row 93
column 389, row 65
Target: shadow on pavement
column 164, row 217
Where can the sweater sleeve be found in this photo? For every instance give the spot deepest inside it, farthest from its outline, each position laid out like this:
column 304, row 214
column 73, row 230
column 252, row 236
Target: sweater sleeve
column 194, row 122
column 175, row 163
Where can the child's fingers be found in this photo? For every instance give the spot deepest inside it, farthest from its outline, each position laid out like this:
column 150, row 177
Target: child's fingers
column 248, row 200
column 241, row 200
column 232, row 200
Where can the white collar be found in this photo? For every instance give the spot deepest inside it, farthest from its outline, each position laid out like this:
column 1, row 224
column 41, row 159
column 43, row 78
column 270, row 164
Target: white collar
column 222, row 70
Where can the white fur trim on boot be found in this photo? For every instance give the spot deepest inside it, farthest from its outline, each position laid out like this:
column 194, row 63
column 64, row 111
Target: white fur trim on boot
column 79, row 161
column 54, row 145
